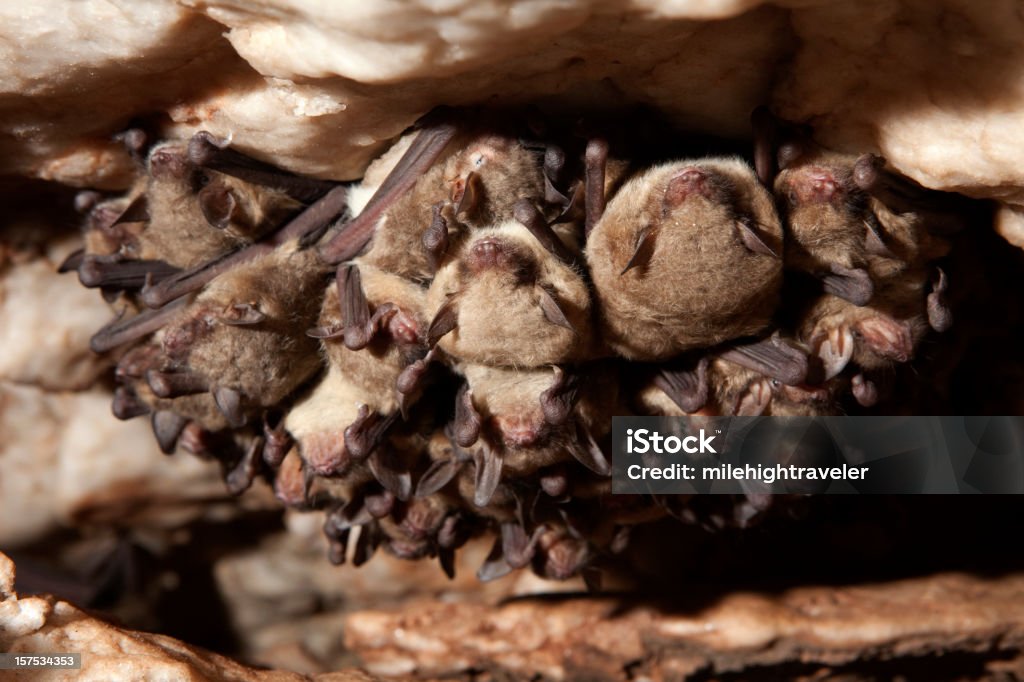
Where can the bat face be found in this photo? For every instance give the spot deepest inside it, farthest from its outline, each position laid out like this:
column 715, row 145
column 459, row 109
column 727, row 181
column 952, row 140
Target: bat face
column 824, row 211
column 392, row 337
column 743, row 392
column 878, row 335
column 240, row 336
column 196, row 214
column 505, row 300
column 683, row 258
column 476, row 186
column 105, row 234
column 488, row 176
column 533, row 419
column 318, row 421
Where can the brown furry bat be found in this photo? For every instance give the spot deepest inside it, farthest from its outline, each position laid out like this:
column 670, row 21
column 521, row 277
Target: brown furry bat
column 503, row 299
column 686, row 255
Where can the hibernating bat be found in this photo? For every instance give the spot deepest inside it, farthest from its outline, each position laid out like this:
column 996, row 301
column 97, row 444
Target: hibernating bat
column 686, row 255
column 504, row 298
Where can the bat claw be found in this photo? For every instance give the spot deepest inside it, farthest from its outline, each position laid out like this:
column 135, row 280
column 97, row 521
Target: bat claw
column 229, row 402
column 836, row 351
column 688, row 388
column 241, row 476
column 167, row 426
column 864, row 390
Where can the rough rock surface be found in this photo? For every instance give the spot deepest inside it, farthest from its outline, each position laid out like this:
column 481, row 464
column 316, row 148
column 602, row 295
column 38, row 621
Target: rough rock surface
column 947, row 626
column 936, row 87
column 44, row 625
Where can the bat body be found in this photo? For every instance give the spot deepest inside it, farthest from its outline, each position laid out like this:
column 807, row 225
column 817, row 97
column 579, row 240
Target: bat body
column 474, row 186
column 684, row 257
column 503, row 299
column 197, row 214
column 242, row 334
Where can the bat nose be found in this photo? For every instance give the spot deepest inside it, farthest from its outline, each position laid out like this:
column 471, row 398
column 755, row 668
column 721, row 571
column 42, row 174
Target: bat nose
column 490, row 253
column 816, row 185
column 167, row 164
column 686, row 183
column 518, row 432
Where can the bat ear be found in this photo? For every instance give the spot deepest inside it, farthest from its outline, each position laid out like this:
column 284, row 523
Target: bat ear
column 386, row 468
column 229, row 402
column 754, row 242
column 873, row 242
column 437, row 476
column 445, row 321
column 588, row 453
column 167, row 163
column 495, row 565
column 488, row 474
column 243, row 314
column 553, row 312
column 643, row 249
column 467, row 419
column 218, row 204
column 240, row 477
column 167, row 426
column 136, row 212
column 557, row 401
column 468, row 195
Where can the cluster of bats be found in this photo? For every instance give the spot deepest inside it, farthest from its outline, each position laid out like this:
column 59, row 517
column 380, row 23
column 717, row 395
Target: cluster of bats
column 439, row 349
